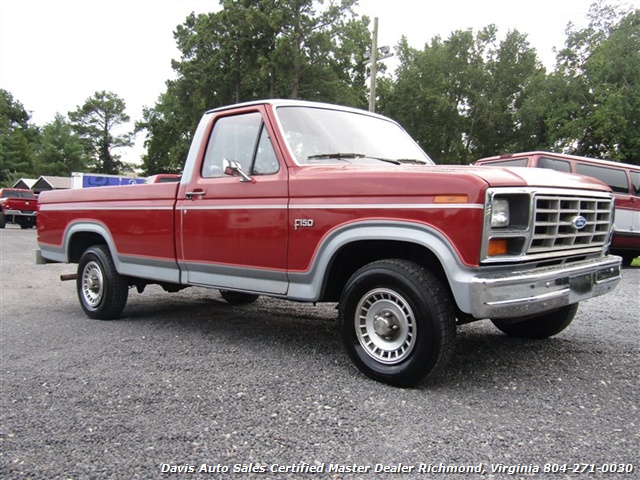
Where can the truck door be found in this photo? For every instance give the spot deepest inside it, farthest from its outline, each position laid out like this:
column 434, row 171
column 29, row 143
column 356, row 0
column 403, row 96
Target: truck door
column 233, row 228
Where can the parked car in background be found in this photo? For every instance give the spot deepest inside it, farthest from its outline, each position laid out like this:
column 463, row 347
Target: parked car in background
column 164, row 178
column 18, row 206
column 623, row 178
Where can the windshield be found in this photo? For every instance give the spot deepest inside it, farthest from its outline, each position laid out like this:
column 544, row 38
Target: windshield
column 320, row 135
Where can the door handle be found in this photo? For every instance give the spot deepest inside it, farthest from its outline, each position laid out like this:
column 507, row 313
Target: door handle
column 196, row 193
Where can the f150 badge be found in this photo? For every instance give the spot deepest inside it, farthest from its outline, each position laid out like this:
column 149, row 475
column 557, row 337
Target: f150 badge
column 302, row 223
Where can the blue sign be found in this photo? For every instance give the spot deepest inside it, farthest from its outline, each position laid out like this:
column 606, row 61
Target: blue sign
column 108, row 181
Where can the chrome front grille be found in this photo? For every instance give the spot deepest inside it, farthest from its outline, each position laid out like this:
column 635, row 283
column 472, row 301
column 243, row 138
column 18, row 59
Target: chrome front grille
column 547, row 224
column 558, row 223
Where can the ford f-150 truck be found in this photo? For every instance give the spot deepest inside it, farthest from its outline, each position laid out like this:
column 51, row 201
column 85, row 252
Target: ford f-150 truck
column 320, row 203
column 18, row 206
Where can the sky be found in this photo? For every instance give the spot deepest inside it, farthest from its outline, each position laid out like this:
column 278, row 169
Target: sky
column 55, row 54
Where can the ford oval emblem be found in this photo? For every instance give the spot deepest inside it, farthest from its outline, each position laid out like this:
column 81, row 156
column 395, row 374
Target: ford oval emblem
column 578, row 222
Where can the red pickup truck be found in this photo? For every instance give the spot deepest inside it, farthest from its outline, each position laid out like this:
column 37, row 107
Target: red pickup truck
column 18, row 206
column 320, row 203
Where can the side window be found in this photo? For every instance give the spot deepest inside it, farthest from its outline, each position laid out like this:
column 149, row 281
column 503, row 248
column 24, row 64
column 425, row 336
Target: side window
column 242, row 139
column 635, row 181
column 554, row 164
column 266, row 162
column 234, row 139
column 515, row 162
column 616, row 179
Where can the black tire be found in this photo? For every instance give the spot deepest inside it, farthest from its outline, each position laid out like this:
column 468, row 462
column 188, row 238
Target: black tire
column 397, row 322
column 238, row 298
column 102, row 291
column 26, row 223
column 3, row 220
column 541, row 326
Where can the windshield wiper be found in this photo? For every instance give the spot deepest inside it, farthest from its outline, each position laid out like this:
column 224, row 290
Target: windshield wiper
column 337, row 155
column 412, row 161
column 349, row 156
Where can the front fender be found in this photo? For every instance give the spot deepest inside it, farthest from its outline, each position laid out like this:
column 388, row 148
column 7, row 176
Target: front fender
column 308, row 285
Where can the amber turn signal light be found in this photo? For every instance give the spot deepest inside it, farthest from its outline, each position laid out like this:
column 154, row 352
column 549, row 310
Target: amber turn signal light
column 497, row 246
column 450, row 199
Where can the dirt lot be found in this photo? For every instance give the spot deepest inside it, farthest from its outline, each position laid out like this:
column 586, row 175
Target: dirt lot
column 185, row 382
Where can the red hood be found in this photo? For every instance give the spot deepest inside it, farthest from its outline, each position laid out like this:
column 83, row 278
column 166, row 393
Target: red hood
column 411, row 180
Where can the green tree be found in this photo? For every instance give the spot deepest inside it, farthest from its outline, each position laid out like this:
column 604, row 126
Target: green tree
column 599, row 71
column 17, row 137
column 60, row 151
column 429, row 96
column 614, row 71
column 169, row 132
column 96, row 123
column 460, row 97
column 251, row 50
column 509, row 66
column 319, row 52
column 542, row 113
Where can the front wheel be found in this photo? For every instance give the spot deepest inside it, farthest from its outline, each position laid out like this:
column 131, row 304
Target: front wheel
column 541, row 326
column 397, row 322
column 101, row 289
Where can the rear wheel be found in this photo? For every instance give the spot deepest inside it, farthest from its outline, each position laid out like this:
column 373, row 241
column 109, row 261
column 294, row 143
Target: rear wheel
column 541, row 326
column 26, row 222
column 101, row 289
column 397, row 322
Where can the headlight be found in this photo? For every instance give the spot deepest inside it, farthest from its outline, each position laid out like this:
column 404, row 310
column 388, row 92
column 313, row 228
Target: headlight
column 499, row 213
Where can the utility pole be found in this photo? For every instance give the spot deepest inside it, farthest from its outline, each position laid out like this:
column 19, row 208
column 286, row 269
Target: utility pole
column 373, row 57
column 374, row 66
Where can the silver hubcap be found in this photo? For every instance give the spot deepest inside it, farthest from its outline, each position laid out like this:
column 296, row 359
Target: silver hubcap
column 385, row 326
column 92, row 284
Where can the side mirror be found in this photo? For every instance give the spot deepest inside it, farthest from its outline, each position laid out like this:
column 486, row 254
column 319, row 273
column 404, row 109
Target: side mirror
column 234, row 169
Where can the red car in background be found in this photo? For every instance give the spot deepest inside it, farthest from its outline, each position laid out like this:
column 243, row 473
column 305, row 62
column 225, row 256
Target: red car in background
column 164, row 178
column 18, row 206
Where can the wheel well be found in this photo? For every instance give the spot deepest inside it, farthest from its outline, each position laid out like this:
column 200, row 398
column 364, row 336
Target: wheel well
column 80, row 242
column 355, row 255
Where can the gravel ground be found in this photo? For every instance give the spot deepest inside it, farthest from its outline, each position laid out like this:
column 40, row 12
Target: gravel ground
column 184, row 382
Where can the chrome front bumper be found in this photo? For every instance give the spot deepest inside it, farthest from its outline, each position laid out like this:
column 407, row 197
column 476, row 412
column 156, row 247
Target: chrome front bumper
column 510, row 294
